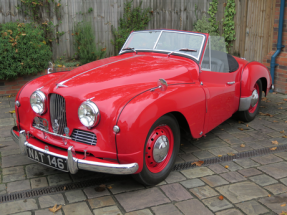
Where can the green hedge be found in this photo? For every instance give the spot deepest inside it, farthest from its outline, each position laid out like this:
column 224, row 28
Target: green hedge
column 23, row 50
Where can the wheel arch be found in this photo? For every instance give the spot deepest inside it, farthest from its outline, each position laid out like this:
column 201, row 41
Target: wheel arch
column 183, row 124
column 264, row 85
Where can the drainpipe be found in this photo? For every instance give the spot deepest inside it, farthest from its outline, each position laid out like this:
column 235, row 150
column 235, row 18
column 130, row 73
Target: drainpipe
column 279, row 43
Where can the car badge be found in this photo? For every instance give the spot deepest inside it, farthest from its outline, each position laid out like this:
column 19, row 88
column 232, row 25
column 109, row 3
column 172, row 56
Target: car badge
column 45, row 124
column 47, row 148
column 67, row 131
column 56, row 126
column 37, row 121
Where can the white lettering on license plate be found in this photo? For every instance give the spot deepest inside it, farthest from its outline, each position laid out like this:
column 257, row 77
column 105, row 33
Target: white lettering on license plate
column 52, row 161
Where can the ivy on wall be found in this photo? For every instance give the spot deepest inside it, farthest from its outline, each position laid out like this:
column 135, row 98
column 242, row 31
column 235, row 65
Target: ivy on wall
column 212, row 11
column 36, row 11
column 134, row 19
column 228, row 22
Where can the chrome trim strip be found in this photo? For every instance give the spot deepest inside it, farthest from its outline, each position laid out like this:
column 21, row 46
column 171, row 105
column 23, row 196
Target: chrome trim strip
column 48, row 132
column 245, row 103
column 117, row 169
column 75, row 164
column 63, row 82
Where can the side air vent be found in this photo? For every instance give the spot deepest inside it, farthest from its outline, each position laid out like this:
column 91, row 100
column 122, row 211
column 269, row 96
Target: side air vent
column 84, row 137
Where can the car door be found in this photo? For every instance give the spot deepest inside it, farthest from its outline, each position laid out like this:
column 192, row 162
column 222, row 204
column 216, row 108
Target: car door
column 221, row 86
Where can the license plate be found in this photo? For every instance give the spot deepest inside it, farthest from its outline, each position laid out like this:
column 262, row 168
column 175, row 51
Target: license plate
column 49, row 160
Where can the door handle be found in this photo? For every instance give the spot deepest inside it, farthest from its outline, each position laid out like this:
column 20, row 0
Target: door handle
column 230, row 83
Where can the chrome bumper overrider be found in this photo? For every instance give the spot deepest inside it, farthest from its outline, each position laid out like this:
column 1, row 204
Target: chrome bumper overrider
column 75, row 164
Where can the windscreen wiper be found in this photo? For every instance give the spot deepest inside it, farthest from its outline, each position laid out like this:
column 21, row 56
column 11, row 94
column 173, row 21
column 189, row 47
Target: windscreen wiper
column 130, row 49
column 182, row 49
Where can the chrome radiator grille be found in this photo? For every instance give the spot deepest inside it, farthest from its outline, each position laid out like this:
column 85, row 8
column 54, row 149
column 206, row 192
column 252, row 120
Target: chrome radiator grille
column 58, row 113
column 84, row 137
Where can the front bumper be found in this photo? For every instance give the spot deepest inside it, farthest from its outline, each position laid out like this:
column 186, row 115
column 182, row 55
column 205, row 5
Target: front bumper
column 74, row 164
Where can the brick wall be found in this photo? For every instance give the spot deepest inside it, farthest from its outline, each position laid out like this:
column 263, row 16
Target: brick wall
column 280, row 80
column 12, row 87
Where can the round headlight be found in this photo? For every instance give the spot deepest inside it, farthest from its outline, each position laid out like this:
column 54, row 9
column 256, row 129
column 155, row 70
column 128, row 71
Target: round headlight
column 89, row 114
column 37, row 101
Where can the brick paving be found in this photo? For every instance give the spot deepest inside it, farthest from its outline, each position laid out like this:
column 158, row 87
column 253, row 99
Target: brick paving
column 256, row 185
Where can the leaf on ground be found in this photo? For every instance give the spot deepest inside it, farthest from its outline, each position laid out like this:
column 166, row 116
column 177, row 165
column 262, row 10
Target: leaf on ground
column 219, row 156
column 197, row 163
column 275, row 142
column 12, row 111
column 226, row 167
column 274, row 148
column 262, row 106
column 240, row 122
column 285, row 121
column 283, row 213
column 230, row 154
column 100, row 188
column 280, row 108
column 65, row 188
column 282, row 132
column 247, row 125
column 55, row 208
column 242, row 145
column 221, row 197
column 285, row 99
column 269, row 195
column 110, row 187
column 274, row 93
column 265, row 114
column 264, row 99
column 285, row 136
column 283, row 205
column 275, row 121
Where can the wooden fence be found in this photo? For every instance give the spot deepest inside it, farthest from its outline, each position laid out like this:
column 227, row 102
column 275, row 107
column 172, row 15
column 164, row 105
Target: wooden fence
column 253, row 29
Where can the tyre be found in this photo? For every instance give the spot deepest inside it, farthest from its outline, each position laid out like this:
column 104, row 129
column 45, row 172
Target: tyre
column 253, row 110
column 160, row 151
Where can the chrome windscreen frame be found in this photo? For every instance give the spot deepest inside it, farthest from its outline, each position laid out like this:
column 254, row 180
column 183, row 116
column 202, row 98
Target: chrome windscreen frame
column 167, row 51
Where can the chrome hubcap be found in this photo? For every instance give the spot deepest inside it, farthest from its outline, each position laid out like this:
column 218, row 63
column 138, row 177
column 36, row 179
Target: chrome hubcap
column 160, row 149
column 254, row 98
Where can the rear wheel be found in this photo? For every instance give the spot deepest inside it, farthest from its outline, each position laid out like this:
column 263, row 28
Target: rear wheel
column 161, row 147
column 253, row 110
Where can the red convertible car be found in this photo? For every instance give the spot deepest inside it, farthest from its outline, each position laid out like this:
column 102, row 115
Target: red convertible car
column 124, row 114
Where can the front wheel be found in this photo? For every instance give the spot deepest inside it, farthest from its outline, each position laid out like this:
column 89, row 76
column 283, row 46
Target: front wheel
column 253, row 110
column 160, row 151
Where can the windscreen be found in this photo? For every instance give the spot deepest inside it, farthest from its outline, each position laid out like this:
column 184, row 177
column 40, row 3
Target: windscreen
column 166, row 41
column 174, row 41
column 142, row 40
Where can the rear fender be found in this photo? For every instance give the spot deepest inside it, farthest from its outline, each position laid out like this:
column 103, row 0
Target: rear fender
column 252, row 72
column 139, row 115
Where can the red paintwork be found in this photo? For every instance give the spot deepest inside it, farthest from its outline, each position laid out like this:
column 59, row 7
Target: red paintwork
column 152, row 165
column 121, row 87
column 251, row 73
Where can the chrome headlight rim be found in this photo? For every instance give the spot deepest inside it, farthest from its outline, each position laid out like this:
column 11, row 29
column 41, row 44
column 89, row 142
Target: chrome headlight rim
column 95, row 111
column 43, row 101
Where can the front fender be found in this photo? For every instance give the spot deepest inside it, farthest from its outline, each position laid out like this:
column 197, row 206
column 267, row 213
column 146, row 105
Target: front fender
column 140, row 114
